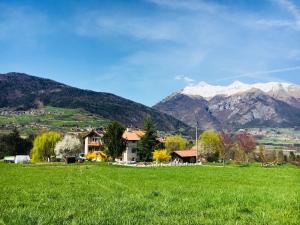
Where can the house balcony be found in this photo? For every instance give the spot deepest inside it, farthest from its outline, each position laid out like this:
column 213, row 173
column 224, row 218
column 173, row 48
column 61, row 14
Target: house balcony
column 94, row 144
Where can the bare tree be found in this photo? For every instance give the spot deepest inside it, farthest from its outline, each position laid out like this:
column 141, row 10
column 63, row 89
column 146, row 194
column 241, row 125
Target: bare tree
column 246, row 143
column 226, row 145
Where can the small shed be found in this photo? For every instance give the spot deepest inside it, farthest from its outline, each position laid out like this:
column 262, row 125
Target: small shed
column 184, row 156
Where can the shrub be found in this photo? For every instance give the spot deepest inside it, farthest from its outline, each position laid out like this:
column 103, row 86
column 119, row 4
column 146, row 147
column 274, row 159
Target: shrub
column 161, row 155
column 100, row 156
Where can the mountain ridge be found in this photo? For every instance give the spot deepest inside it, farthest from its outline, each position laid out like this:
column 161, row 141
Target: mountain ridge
column 235, row 106
column 23, row 91
column 209, row 91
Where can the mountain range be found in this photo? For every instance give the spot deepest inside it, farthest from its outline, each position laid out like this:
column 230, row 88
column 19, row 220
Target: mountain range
column 19, row 91
column 238, row 105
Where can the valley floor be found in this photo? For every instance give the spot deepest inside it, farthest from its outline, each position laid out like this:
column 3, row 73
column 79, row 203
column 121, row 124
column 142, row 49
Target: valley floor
column 106, row 194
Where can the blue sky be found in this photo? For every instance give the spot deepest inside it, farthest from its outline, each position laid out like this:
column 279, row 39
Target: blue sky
column 146, row 49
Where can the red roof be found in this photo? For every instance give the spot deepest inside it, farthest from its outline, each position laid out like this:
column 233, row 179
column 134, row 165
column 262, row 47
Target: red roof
column 133, row 135
column 186, row 153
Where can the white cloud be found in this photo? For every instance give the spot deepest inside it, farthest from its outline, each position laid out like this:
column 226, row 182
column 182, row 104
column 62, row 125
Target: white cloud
column 191, row 5
column 186, row 79
column 96, row 23
column 177, row 38
column 289, row 7
column 267, row 74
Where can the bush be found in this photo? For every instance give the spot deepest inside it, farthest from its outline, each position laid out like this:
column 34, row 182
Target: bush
column 161, row 155
column 99, row 156
column 213, row 157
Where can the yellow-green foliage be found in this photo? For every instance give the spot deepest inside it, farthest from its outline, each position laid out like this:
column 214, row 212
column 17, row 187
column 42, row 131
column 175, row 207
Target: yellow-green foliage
column 210, row 141
column 101, row 156
column 43, row 146
column 161, row 155
column 175, row 143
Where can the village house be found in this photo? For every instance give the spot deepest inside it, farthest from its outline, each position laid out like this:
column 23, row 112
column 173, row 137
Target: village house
column 93, row 141
column 132, row 136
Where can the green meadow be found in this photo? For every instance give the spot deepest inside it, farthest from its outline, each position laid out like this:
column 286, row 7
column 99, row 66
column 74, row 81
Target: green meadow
column 63, row 120
column 106, row 194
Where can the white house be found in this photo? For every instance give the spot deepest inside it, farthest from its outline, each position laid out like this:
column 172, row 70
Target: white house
column 93, row 142
column 132, row 136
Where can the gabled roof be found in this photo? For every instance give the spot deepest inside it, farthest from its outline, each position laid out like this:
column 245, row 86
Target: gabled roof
column 186, row 153
column 133, row 135
column 93, row 132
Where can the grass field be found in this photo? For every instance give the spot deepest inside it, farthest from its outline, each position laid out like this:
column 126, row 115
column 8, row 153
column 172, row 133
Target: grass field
column 106, row 194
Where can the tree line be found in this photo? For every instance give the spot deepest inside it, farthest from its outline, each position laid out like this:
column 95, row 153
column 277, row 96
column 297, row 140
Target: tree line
column 212, row 146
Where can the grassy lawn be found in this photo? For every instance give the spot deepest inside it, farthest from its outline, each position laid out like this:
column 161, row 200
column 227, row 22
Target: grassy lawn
column 106, row 194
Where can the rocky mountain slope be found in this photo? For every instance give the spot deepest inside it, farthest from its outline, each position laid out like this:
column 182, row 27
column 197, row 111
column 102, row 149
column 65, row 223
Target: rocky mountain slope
column 22, row 92
column 235, row 106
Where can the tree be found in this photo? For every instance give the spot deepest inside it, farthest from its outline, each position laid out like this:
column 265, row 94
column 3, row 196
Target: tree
column 226, row 145
column 161, row 155
column 280, row 157
column 246, row 143
column 175, row 143
column 43, row 146
column 261, row 155
column 211, row 144
column 113, row 139
column 292, row 156
column 14, row 144
column 148, row 142
column 68, row 146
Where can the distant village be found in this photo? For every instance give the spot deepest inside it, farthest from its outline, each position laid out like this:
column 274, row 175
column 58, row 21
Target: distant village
column 33, row 112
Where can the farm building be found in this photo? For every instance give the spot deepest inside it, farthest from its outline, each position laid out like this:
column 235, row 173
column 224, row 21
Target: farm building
column 183, row 156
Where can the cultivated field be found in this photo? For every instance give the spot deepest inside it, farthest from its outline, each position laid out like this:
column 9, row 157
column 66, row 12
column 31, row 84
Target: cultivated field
column 61, row 119
column 106, row 194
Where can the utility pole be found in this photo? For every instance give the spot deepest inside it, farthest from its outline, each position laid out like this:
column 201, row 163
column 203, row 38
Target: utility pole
column 196, row 142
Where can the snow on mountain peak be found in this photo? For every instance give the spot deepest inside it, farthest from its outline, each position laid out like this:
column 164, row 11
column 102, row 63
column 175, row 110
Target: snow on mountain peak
column 209, row 91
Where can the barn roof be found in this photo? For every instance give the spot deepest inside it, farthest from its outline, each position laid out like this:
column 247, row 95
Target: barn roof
column 186, row 153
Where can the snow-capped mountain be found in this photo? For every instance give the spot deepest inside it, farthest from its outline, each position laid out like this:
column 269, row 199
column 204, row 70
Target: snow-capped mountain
column 237, row 105
column 209, row 91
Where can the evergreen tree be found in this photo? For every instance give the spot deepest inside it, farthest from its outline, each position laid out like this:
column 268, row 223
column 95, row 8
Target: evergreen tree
column 292, row 157
column 113, row 139
column 13, row 144
column 148, row 142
